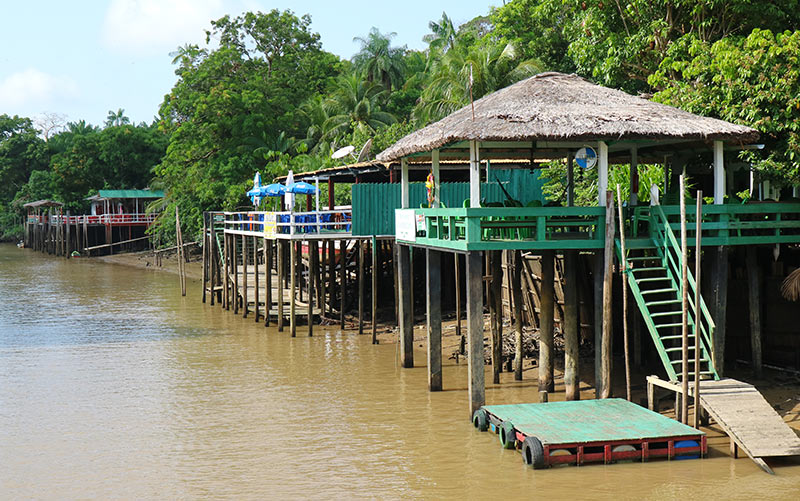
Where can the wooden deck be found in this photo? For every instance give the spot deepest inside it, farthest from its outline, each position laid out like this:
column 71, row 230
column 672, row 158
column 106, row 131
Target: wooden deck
column 746, row 417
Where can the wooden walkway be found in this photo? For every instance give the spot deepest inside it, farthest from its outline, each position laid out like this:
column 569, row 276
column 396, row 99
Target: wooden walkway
column 746, row 417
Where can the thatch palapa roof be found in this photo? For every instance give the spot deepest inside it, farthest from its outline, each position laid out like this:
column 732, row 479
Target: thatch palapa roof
column 559, row 107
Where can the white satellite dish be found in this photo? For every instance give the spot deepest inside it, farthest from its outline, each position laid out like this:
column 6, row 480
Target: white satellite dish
column 343, row 152
column 364, row 154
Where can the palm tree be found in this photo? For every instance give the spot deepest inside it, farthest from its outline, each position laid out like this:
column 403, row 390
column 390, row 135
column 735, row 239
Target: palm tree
column 443, row 34
column 492, row 67
column 116, row 118
column 355, row 103
column 378, row 61
column 315, row 113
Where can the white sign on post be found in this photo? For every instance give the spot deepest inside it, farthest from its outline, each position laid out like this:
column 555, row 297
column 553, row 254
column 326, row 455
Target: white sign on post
column 405, row 225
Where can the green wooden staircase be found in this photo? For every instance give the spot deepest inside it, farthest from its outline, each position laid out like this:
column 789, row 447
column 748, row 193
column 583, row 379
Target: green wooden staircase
column 654, row 277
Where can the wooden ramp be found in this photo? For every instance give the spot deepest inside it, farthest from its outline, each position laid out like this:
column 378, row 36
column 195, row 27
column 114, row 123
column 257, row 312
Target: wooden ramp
column 746, row 417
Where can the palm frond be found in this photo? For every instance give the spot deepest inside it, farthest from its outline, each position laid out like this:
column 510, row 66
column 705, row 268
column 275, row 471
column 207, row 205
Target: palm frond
column 790, row 288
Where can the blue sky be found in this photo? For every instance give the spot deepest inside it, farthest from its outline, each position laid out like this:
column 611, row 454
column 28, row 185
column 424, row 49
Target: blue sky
column 82, row 58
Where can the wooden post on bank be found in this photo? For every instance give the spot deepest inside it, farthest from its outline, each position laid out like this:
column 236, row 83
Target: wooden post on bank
column 374, row 290
column 406, row 308
column 477, row 383
column 608, row 273
column 361, row 284
column 280, row 267
column 697, row 310
column 546, row 322
column 434, row 315
column 571, row 327
column 496, row 309
column 516, row 299
column 624, row 268
column 292, row 288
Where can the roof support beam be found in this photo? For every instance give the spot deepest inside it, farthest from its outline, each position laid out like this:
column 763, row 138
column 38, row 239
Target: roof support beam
column 602, row 172
column 474, row 175
column 719, row 174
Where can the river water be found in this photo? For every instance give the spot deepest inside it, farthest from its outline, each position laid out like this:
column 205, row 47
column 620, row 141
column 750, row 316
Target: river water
column 113, row 386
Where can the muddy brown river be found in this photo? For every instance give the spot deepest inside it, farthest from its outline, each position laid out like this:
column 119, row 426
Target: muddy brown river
column 113, row 386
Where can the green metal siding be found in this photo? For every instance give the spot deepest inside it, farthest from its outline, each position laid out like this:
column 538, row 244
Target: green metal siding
column 374, row 204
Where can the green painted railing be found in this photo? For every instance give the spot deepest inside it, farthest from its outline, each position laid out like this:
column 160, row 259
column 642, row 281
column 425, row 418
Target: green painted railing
column 494, row 228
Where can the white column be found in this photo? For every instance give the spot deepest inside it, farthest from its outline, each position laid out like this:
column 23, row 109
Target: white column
column 634, row 197
column 719, row 174
column 474, row 175
column 436, row 181
column 602, row 172
column 404, row 183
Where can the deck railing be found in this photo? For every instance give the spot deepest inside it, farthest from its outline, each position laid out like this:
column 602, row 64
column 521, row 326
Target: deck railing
column 288, row 224
column 493, row 228
column 107, row 219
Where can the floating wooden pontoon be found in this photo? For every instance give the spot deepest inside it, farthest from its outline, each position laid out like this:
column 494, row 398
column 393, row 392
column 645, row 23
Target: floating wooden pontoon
column 578, row 432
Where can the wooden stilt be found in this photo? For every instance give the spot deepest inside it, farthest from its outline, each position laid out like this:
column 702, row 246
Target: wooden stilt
column 374, row 291
column 245, row 257
column 212, row 263
column 406, row 307
column 720, row 294
column 293, row 289
column 684, row 306
column 361, row 286
column 226, row 298
column 457, row 265
column 256, row 298
column 546, row 322
column 434, row 315
column 598, row 272
column 624, row 267
column 697, row 297
column 331, row 275
column 477, row 384
column 281, row 268
column 571, row 326
column 342, row 279
column 206, row 244
column 323, row 281
column 267, row 280
column 496, row 313
column 516, row 299
column 754, row 297
column 312, row 273
column 396, row 280
column 608, row 273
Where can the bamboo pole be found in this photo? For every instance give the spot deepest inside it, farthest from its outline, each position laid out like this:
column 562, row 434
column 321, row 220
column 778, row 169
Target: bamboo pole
column 624, row 263
column 685, row 310
column 608, row 271
column 697, row 310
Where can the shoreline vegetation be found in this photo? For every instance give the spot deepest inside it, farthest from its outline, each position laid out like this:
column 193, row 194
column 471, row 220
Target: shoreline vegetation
column 263, row 96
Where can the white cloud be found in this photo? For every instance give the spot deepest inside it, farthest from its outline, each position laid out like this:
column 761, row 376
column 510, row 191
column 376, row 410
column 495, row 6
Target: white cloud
column 34, row 87
column 153, row 26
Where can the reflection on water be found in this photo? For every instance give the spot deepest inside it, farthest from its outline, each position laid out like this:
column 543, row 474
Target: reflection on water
column 112, row 385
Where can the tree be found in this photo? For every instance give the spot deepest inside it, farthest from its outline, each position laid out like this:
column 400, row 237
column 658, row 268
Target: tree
column 378, row 61
column 443, row 34
column 356, row 103
column 22, row 151
column 116, row 118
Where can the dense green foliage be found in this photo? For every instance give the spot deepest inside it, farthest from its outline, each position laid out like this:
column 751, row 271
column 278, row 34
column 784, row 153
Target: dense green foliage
column 261, row 95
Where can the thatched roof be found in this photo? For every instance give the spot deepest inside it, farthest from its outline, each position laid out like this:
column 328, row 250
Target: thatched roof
column 559, row 107
column 42, row 203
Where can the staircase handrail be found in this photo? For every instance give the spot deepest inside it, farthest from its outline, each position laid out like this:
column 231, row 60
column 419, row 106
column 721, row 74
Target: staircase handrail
column 659, row 224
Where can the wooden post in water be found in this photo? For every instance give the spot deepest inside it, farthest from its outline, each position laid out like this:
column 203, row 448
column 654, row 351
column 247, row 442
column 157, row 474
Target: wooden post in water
column 280, row 267
column 245, row 279
column 608, row 273
column 406, row 308
column 496, row 313
column 374, row 291
column 206, row 243
column 571, row 326
column 293, row 288
column 754, row 298
column 546, row 322
column 684, row 308
column 477, row 383
column 323, row 281
column 434, row 315
column 456, row 263
column 69, row 235
column 226, row 303
column 361, row 244
column 624, row 269
column 697, row 298
column 235, row 272
column 516, row 298
column 267, row 280
column 313, row 253
column 256, row 299
column 181, row 260
column 342, row 279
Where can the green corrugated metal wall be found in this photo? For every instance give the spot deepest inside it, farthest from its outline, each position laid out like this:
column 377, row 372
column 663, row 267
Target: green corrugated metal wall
column 374, row 204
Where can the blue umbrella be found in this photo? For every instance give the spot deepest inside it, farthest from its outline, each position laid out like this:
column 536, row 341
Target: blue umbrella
column 273, row 190
column 255, row 193
column 301, row 188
